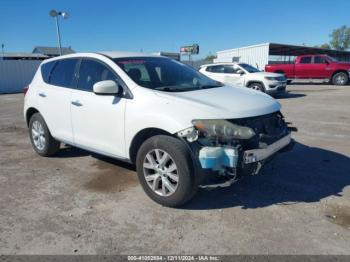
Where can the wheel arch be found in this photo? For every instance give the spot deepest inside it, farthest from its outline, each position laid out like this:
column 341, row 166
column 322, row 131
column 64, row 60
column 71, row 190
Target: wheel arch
column 29, row 113
column 339, row 71
column 142, row 136
column 255, row 81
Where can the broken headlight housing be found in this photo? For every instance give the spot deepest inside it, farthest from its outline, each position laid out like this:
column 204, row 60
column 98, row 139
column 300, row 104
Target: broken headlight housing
column 216, row 128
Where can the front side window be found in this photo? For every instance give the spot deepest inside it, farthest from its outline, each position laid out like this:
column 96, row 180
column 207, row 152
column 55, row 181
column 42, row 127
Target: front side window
column 305, row 60
column 319, row 60
column 164, row 74
column 63, row 73
column 228, row 69
column 249, row 68
column 91, row 72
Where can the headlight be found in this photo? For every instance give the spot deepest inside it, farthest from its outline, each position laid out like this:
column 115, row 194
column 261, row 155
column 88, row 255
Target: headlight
column 275, row 78
column 271, row 78
column 222, row 129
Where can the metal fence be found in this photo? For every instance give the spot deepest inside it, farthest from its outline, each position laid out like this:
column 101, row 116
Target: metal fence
column 16, row 74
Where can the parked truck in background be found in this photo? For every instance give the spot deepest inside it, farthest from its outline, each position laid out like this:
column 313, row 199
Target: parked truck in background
column 314, row 67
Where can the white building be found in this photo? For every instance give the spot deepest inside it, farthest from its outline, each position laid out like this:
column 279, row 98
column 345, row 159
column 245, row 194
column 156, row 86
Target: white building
column 269, row 53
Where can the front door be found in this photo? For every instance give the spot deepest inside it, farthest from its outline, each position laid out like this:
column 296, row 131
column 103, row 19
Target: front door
column 232, row 77
column 98, row 120
column 320, row 67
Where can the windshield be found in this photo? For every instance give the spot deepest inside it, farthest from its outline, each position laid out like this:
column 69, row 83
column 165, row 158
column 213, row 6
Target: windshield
column 164, row 74
column 249, row 68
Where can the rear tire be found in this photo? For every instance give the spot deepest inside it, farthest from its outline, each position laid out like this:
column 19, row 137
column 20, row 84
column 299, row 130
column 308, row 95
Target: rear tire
column 340, row 79
column 257, row 87
column 168, row 182
column 42, row 141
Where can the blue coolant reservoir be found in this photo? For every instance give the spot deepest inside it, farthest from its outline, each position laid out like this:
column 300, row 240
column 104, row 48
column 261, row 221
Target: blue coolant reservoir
column 218, row 157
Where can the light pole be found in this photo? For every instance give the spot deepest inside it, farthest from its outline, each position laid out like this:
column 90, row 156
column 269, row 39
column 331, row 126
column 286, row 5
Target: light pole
column 55, row 14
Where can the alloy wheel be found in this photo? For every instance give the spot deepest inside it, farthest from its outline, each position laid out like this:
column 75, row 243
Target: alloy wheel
column 38, row 135
column 161, row 172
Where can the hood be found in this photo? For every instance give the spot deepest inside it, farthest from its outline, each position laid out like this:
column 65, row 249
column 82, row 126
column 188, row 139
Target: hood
column 225, row 102
column 263, row 74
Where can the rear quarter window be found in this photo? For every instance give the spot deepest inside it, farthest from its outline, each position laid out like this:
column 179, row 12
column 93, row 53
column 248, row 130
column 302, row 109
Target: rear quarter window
column 63, row 73
column 46, row 69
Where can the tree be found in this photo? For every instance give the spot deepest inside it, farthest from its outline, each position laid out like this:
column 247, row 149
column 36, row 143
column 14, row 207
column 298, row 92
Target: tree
column 210, row 57
column 325, row 45
column 340, row 38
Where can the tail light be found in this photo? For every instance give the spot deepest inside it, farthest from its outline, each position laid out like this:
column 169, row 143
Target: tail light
column 25, row 90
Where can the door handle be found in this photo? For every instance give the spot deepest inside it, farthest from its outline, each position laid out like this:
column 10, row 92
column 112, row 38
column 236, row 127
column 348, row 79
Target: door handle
column 42, row 94
column 76, row 103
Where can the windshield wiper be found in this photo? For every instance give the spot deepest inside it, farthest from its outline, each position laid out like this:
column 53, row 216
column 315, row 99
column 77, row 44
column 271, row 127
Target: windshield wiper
column 210, row 86
column 167, row 88
column 175, row 88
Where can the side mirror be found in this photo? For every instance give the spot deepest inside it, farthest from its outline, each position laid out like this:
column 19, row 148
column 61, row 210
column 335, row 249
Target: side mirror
column 240, row 71
column 107, row 87
column 326, row 62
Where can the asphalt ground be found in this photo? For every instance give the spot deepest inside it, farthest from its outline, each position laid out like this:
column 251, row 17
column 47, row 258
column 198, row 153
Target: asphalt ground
column 81, row 203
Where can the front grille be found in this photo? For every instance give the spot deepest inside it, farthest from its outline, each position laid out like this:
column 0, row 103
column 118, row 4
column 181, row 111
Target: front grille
column 268, row 128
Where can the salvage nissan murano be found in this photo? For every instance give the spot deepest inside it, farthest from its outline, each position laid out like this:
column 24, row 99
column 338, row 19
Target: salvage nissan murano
column 176, row 125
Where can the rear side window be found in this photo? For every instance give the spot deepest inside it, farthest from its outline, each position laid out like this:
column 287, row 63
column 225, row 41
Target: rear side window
column 91, row 72
column 63, row 73
column 305, row 60
column 46, row 70
column 216, row 69
column 319, row 60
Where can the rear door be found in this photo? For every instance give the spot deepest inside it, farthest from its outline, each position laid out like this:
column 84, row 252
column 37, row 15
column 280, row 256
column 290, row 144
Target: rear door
column 216, row 72
column 98, row 120
column 303, row 67
column 54, row 97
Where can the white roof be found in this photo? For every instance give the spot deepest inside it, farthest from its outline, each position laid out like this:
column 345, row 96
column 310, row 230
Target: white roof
column 219, row 63
column 118, row 54
column 111, row 54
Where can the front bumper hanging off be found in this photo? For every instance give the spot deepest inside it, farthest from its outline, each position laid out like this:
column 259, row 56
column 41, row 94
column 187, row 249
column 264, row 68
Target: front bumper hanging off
column 256, row 155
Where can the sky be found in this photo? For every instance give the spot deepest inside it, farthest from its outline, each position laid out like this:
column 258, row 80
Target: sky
column 155, row 25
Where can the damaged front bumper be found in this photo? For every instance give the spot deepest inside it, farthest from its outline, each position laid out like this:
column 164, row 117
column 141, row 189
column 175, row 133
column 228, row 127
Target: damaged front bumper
column 218, row 158
column 237, row 157
column 256, row 155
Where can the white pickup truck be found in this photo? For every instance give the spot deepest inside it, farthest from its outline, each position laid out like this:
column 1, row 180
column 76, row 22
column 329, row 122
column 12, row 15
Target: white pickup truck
column 242, row 74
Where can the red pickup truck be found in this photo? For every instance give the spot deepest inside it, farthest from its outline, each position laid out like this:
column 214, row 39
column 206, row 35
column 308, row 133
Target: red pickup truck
column 314, row 67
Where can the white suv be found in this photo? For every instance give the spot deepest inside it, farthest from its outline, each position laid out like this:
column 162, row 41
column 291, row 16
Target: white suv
column 241, row 74
column 169, row 120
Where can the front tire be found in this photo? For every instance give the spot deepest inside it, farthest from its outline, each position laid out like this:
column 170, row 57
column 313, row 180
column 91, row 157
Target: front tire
column 164, row 168
column 257, row 87
column 43, row 142
column 340, row 79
